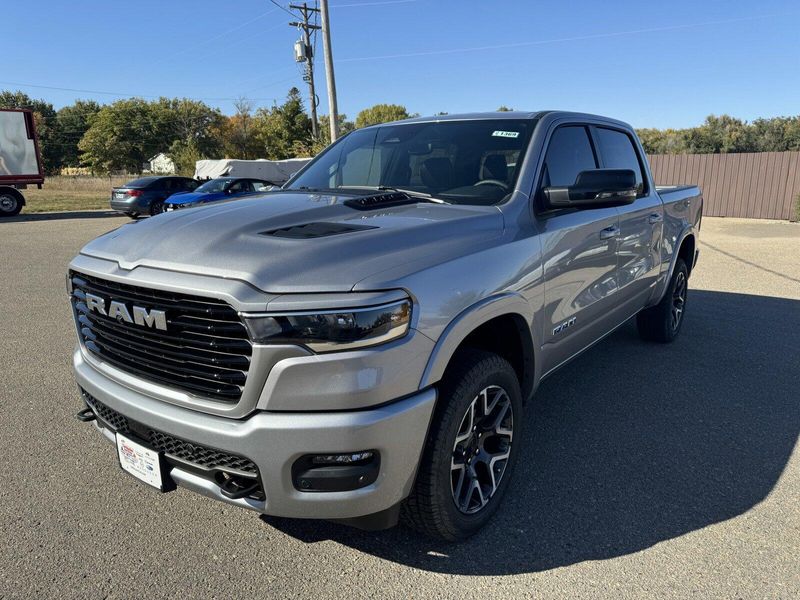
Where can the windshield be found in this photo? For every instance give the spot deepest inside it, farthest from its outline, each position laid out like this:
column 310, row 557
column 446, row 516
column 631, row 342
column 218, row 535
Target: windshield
column 461, row 162
column 215, row 185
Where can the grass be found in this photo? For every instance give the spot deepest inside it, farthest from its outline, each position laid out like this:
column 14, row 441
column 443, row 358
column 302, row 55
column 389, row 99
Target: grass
column 66, row 194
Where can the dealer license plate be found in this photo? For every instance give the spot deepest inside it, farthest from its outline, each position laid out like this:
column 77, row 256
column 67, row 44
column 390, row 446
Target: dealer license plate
column 141, row 462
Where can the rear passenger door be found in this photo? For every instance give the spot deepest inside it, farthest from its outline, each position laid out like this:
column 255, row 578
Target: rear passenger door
column 579, row 252
column 640, row 222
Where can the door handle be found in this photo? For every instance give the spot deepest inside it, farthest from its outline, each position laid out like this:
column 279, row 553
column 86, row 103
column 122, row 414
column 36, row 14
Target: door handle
column 609, row 232
column 655, row 218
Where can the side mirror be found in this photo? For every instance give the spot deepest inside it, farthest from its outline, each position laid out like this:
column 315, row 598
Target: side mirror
column 597, row 188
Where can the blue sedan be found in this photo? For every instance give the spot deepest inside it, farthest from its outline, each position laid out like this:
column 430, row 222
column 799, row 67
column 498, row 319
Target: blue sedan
column 222, row 188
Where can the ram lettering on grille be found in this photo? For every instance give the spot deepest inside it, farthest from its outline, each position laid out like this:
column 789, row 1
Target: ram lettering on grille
column 119, row 311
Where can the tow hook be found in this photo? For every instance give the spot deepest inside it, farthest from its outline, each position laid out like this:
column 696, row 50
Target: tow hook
column 86, row 415
column 236, row 487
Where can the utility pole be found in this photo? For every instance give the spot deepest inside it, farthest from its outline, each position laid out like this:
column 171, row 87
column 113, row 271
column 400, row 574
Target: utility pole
column 303, row 52
column 326, row 42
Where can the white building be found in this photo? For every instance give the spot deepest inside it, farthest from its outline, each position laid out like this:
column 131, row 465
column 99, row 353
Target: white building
column 160, row 164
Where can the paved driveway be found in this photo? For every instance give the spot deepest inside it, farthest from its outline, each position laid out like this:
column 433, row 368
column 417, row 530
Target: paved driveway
column 651, row 471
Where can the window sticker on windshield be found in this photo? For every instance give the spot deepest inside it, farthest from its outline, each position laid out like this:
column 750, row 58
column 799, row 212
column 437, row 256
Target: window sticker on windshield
column 508, row 134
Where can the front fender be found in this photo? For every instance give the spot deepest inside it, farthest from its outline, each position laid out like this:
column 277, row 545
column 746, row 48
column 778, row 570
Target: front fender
column 466, row 322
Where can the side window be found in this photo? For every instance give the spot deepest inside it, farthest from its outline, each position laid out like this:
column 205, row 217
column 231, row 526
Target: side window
column 259, row 186
column 618, row 152
column 236, row 187
column 568, row 153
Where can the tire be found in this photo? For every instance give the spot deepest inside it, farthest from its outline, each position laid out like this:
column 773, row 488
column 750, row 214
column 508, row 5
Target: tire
column 432, row 508
column 156, row 207
column 662, row 322
column 10, row 204
column 132, row 215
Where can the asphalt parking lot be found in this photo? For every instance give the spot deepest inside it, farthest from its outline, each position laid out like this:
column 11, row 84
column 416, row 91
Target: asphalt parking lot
column 650, row 471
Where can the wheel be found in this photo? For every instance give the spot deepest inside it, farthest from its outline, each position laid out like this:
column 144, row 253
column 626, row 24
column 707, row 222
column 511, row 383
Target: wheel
column 10, row 204
column 468, row 456
column 156, row 207
column 662, row 322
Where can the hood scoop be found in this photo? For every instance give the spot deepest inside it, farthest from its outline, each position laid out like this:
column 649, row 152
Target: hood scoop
column 380, row 201
column 310, row 231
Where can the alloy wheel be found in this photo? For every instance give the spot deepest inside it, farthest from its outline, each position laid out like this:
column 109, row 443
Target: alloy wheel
column 678, row 300
column 481, row 450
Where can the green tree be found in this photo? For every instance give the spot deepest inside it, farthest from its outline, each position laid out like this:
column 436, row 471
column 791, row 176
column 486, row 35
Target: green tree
column 191, row 122
column 381, row 113
column 72, row 123
column 504, row 108
column 284, row 131
column 195, row 129
column 46, row 126
column 324, row 139
column 122, row 136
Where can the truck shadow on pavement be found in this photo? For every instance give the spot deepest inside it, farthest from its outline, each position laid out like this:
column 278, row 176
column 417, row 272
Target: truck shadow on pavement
column 58, row 216
column 630, row 445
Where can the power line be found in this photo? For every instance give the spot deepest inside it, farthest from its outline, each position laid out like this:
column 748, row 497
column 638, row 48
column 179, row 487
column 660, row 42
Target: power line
column 218, row 36
column 373, row 3
column 565, row 39
column 120, row 94
column 284, row 9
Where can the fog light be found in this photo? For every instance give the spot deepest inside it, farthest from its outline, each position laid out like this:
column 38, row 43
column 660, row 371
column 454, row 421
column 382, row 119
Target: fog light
column 342, row 459
column 336, row 472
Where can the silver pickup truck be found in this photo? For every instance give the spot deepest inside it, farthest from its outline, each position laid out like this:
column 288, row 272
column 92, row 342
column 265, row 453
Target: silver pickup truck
column 360, row 345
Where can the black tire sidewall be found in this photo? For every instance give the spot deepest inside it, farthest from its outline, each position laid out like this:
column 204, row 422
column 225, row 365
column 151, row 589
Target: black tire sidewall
column 17, row 207
column 156, row 207
column 493, row 371
column 670, row 333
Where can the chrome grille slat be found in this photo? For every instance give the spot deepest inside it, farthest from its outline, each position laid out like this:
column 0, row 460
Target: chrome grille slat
column 205, row 350
column 196, row 354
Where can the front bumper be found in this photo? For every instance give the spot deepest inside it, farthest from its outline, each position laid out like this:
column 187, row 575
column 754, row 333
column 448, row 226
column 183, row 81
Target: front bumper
column 274, row 441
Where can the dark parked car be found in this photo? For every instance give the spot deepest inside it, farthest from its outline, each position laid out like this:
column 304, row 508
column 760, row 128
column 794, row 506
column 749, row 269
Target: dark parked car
column 221, row 188
column 146, row 196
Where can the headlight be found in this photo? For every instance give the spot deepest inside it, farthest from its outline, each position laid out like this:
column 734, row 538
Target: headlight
column 329, row 331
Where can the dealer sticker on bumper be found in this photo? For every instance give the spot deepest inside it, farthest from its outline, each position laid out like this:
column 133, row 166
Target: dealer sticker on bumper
column 141, row 462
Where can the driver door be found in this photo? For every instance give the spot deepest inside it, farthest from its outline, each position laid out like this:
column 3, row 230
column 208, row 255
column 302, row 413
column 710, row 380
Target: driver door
column 579, row 254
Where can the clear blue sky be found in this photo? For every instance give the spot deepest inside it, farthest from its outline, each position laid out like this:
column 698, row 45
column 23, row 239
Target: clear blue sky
column 653, row 64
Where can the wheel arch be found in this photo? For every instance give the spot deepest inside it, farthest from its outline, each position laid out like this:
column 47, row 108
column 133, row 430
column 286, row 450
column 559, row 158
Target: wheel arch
column 501, row 324
column 687, row 244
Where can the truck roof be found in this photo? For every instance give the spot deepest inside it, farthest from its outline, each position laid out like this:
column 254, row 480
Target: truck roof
column 512, row 114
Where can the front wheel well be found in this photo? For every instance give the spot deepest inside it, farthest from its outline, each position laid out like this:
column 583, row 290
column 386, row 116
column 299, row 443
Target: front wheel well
column 508, row 336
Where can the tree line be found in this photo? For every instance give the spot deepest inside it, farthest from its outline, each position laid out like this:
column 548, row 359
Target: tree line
column 122, row 135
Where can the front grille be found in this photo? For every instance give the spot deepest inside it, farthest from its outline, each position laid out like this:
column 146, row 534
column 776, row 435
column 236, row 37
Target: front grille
column 205, row 349
column 205, row 458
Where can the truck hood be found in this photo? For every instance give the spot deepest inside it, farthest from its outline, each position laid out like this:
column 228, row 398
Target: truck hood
column 293, row 242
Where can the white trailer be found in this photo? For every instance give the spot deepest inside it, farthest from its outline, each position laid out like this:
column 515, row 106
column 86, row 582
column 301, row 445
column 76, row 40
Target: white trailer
column 276, row 171
column 20, row 161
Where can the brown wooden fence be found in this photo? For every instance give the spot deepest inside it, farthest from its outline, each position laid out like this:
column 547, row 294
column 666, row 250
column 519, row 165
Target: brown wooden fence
column 762, row 185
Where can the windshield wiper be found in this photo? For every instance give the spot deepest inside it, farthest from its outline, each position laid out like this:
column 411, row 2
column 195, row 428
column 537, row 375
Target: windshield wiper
column 386, row 188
